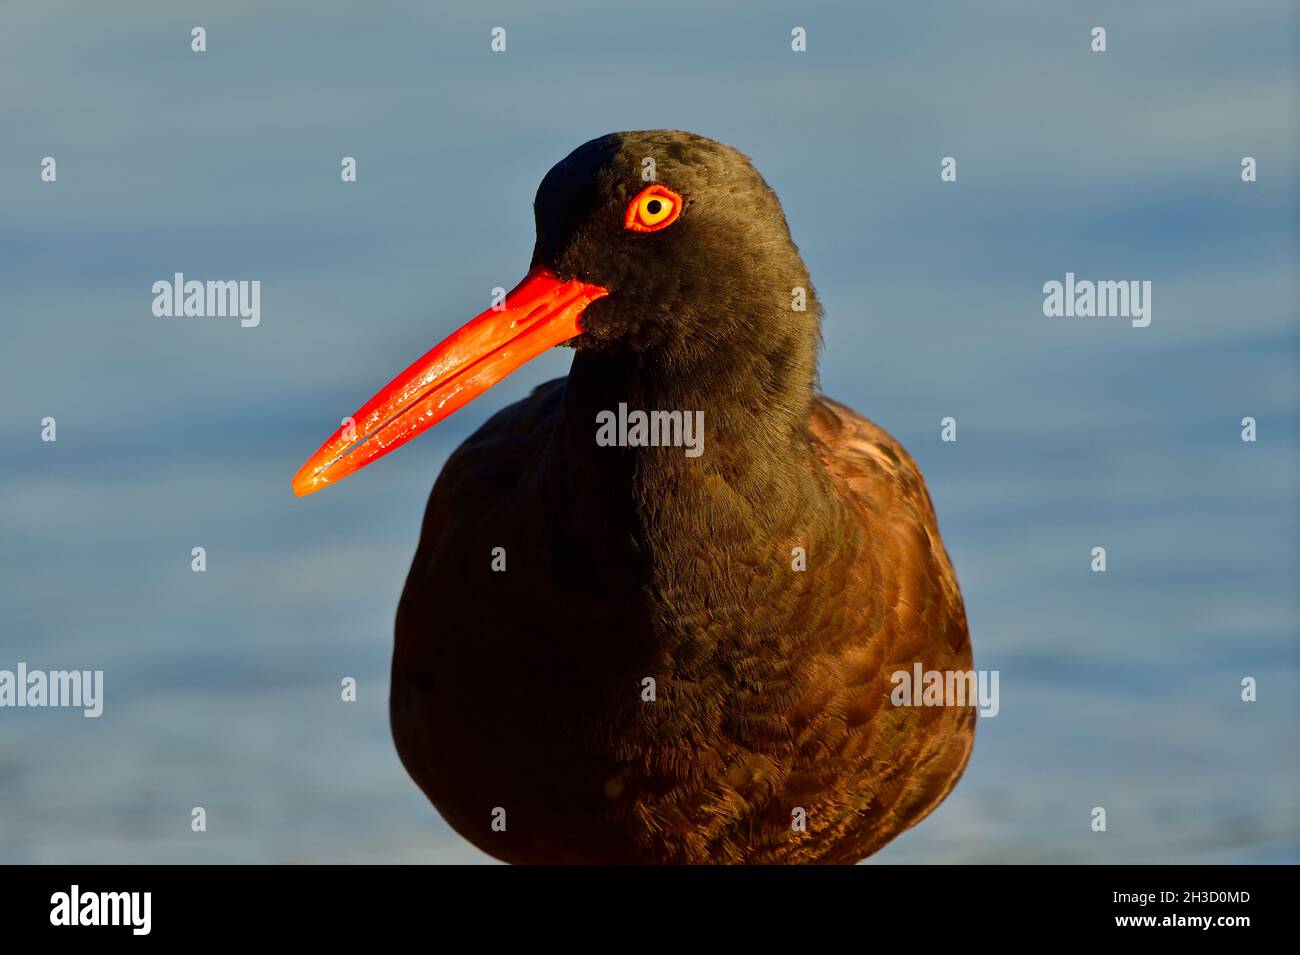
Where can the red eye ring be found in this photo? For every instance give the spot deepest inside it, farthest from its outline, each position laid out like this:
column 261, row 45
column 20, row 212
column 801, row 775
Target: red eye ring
column 655, row 207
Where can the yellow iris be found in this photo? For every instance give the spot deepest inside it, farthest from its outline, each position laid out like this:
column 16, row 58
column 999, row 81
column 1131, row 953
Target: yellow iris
column 654, row 208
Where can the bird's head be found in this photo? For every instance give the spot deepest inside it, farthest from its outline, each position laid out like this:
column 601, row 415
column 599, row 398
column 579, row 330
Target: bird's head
column 688, row 240
column 658, row 242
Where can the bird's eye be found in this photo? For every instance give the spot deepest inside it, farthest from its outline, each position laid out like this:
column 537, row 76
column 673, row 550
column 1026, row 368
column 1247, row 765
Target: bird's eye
column 654, row 208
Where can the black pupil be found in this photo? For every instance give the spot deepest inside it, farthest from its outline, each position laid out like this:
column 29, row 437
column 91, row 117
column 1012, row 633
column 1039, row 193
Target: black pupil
column 653, row 207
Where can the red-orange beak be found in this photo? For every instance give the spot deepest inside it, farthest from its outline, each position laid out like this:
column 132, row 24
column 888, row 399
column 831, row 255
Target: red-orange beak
column 541, row 312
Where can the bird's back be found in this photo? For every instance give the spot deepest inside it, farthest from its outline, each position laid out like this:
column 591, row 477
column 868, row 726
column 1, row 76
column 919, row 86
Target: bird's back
column 524, row 690
column 913, row 756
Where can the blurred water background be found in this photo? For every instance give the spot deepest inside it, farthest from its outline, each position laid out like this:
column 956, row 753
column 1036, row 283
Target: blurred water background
column 1119, row 690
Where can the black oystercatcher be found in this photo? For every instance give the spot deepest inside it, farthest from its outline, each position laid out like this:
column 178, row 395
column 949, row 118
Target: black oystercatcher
column 633, row 653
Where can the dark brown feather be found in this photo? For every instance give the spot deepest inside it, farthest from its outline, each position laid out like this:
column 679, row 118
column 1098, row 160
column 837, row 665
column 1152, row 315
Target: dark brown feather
column 522, row 690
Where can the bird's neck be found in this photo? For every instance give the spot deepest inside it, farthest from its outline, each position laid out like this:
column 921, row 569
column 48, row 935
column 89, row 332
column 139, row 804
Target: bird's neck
column 752, row 489
column 752, row 404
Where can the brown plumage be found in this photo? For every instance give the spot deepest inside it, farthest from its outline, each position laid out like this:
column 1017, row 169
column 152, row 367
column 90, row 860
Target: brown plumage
column 772, row 685
column 681, row 653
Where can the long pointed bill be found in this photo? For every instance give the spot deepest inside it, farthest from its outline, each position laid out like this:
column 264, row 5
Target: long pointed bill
column 541, row 312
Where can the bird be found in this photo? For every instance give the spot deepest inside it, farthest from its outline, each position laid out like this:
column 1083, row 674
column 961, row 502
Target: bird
column 623, row 653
